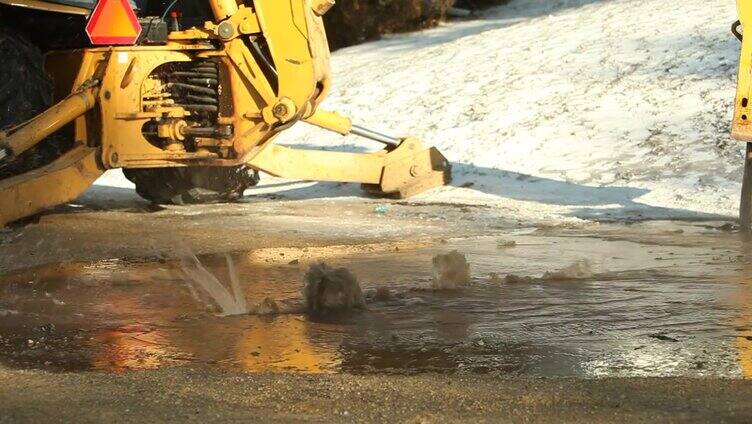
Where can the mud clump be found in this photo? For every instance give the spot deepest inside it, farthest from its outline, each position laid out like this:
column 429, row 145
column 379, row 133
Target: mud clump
column 450, row 271
column 579, row 270
column 266, row 307
column 518, row 279
column 330, row 289
column 379, row 294
column 505, row 243
column 494, row 278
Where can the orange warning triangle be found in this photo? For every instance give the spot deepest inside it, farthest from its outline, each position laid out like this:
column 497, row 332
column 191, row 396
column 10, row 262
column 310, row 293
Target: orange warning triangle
column 113, row 22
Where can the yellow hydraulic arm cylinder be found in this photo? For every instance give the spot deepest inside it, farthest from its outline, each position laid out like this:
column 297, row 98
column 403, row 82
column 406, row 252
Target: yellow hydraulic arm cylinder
column 47, row 122
column 404, row 168
column 223, row 8
column 333, row 121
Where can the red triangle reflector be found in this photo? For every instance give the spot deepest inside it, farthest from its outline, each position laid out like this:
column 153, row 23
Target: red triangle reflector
column 113, row 22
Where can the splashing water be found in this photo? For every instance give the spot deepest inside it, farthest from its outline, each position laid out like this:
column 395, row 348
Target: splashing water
column 450, row 271
column 579, row 270
column 230, row 302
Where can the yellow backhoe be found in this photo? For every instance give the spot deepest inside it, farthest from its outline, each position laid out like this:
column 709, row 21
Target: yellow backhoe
column 186, row 96
column 741, row 128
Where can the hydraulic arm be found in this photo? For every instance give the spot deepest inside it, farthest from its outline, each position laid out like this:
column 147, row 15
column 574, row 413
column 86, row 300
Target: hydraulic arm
column 208, row 96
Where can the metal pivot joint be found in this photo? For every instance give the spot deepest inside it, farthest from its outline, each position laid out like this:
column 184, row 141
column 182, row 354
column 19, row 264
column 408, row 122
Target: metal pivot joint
column 404, row 168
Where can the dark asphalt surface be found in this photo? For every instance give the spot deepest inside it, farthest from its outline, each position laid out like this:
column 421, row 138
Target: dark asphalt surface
column 216, row 394
column 211, row 395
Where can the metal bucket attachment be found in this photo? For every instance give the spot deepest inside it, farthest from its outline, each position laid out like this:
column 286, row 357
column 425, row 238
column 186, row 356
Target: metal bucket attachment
column 411, row 169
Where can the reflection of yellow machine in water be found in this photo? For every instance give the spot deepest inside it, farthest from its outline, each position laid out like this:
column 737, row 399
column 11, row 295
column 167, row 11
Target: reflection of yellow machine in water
column 188, row 110
column 165, row 325
column 743, row 300
column 280, row 344
column 744, row 339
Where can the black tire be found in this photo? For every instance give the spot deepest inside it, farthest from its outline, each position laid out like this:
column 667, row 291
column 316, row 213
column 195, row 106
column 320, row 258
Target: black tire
column 25, row 91
column 192, row 185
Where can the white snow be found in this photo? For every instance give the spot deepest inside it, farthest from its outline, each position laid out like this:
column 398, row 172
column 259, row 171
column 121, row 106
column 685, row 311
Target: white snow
column 574, row 108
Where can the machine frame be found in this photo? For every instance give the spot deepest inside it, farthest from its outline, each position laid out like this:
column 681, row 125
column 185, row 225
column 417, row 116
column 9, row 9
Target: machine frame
column 108, row 94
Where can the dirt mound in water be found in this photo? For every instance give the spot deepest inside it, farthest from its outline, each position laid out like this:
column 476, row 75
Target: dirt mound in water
column 579, row 270
column 494, row 278
column 268, row 306
column 330, row 289
column 450, row 271
column 518, row 279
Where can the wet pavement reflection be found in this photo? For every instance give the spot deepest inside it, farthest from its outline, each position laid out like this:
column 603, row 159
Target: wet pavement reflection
column 675, row 303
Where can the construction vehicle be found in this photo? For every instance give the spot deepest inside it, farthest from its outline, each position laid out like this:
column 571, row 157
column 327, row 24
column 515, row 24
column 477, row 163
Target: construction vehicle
column 741, row 128
column 188, row 105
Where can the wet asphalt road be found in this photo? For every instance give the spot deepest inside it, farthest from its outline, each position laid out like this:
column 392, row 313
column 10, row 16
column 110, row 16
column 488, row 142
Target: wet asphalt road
column 211, row 395
column 130, row 343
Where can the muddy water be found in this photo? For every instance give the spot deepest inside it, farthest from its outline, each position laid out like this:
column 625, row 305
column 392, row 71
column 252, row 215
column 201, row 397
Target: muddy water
column 664, row 300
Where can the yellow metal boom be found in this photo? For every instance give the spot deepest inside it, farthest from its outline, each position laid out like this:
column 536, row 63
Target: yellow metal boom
column 123, row 115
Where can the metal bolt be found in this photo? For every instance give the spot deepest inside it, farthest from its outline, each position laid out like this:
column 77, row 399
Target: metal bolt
column 280, row 111
column 225, row 30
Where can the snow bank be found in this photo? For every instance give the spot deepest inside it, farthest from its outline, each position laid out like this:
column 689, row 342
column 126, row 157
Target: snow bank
column 582, row 107
column 585, row 109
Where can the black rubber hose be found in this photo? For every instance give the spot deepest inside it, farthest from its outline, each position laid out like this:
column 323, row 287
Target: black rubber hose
column 202, row 99
column 211, row 67
column 202, row 108
column 200, row 131
column 202, row 74
column 212, row 82
column 195, row 88
column 167, row 10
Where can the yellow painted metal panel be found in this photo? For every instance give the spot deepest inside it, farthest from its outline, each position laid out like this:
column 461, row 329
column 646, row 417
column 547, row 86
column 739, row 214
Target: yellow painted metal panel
column 742, row 124
column 59, row 182
column 318, row 165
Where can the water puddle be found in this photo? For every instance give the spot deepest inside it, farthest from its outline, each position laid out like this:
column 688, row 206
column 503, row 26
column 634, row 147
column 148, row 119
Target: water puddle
column 536, row 303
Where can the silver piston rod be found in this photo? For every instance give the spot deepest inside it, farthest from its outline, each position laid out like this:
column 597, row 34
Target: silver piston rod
column 375, row 136
column 333, row 121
